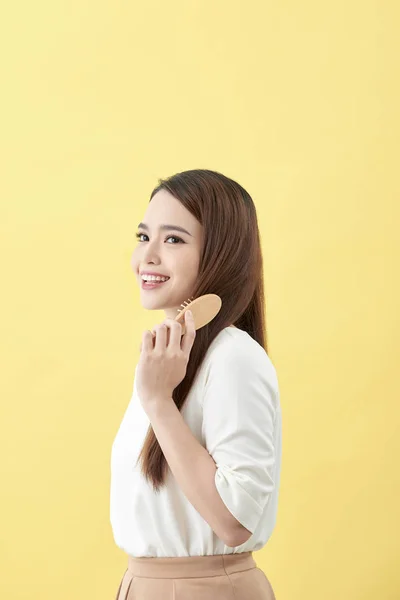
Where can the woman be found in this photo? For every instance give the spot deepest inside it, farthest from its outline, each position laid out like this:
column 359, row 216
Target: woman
column 196, row 461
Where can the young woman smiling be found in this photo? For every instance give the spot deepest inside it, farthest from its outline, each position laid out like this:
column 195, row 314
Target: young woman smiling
column 196, row 461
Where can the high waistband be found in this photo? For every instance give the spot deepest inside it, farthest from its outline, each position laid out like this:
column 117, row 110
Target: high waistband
column 190, row 566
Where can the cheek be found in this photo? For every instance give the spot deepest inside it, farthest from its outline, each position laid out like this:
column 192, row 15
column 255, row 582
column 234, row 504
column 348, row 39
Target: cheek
column 188, row 279
column 191, row 264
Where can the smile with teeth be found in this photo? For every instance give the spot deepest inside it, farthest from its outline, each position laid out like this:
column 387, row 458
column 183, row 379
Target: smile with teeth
column 154, row 278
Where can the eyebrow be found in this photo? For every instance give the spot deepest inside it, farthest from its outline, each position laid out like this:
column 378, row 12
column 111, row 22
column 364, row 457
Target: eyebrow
column 165, row 228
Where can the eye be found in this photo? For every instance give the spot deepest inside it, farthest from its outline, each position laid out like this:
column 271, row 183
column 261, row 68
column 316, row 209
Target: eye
column 180, row 241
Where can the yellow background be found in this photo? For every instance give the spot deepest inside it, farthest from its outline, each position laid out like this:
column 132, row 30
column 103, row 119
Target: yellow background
column 297, row 101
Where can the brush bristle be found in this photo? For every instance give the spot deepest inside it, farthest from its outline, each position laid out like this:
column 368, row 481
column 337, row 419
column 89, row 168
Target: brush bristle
column 185, row 304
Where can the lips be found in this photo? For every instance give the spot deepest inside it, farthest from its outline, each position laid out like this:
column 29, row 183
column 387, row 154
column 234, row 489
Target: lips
column 150, row 285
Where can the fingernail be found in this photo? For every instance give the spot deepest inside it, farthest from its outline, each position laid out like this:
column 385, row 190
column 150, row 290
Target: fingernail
column 189, row 313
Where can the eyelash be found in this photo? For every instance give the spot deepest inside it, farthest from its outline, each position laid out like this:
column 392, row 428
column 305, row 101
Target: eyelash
column 170, row 236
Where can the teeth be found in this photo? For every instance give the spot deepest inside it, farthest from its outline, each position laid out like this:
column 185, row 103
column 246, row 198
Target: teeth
column 154, row 278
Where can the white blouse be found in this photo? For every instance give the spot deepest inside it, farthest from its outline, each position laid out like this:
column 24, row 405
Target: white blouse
column 233, row 410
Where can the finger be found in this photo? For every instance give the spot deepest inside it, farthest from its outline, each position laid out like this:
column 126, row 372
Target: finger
column 161, row 337
column 190, row 334
column 147, row 341
column 175, row 334
column 170, row 324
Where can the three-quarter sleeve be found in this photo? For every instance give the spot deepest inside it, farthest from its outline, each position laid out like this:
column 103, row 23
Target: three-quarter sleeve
column 241, row 400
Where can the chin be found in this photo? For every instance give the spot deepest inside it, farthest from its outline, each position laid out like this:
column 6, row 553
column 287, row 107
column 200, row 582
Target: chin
column 147, row 302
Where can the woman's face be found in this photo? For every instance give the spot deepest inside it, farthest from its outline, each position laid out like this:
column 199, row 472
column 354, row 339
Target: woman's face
column 171, row 252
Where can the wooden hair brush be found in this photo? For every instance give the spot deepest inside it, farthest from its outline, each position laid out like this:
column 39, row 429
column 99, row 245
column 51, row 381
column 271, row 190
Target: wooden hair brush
column 204, row 309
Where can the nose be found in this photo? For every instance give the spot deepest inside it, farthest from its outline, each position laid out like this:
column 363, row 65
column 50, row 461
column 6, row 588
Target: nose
column 150, row 252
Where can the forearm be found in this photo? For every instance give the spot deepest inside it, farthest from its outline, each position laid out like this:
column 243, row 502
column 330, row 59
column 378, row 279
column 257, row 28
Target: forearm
column 194, row 470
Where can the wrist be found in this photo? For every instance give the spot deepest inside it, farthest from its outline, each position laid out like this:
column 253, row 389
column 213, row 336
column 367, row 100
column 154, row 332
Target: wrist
column 156, row 404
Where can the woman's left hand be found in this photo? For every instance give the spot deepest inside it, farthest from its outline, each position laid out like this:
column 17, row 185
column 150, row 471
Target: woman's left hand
column 163, row 366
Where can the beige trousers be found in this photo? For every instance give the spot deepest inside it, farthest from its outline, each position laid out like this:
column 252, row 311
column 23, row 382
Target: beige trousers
column 221, row 576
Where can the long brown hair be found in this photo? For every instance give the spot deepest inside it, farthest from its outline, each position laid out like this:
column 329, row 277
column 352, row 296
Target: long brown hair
column 231, row 266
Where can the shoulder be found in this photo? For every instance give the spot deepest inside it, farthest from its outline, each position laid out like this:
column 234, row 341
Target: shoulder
column 236, row 353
